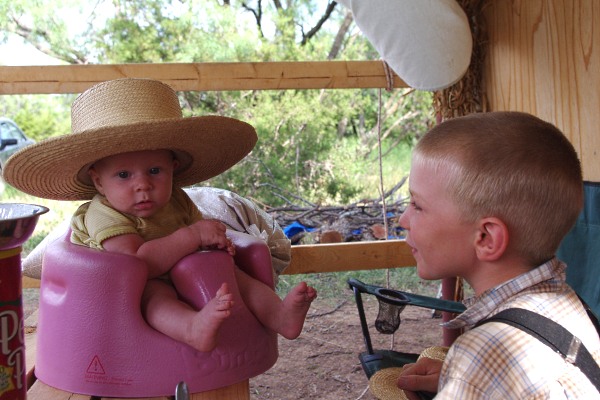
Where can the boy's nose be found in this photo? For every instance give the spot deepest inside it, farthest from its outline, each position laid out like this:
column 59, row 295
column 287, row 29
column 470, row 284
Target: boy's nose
column 403, row 220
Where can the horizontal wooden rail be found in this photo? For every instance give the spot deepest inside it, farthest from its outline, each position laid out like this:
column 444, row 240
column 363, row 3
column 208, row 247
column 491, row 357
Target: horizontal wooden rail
column 335, row 257
column 353, row 256
column 29, row 283
column 49, row 79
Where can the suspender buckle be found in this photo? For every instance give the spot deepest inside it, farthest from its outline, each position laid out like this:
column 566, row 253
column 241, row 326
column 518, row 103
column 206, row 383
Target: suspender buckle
column 574, row 346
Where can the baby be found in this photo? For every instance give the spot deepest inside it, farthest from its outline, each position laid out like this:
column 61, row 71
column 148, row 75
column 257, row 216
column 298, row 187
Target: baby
column 130, row 153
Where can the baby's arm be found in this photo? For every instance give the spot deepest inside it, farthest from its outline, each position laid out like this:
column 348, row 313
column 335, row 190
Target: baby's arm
column 161, row 254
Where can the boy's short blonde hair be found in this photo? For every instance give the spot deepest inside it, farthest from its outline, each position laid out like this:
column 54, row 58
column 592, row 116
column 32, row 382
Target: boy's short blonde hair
column 512, row 166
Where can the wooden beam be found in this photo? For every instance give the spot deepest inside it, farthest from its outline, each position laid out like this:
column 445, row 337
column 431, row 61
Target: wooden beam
column 29, row 283
column 354, row 256
column 61, row 79
column 30, row 326
column 238, row 391
column 541, row 58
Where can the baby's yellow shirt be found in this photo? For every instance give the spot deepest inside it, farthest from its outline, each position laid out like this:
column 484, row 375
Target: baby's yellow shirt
column 96, row 220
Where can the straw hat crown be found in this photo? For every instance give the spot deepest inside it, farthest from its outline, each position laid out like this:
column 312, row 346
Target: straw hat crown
column 122, row 116
column 123, row 102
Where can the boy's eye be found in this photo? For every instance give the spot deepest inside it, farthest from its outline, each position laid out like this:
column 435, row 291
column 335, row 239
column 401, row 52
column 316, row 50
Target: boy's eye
column 123, row 174
column 415, row 205
column 154, row 171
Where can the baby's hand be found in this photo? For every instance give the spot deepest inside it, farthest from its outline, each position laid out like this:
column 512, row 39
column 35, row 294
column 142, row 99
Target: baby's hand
column 213, row 235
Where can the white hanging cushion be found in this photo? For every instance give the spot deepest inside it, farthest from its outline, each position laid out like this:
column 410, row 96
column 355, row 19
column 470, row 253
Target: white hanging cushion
column 427, row 43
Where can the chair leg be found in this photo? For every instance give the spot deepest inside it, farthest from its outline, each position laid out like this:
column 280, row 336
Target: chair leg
column 363, row 320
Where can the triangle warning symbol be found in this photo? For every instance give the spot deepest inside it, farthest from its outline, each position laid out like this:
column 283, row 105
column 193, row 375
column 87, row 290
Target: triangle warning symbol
column 95, row 367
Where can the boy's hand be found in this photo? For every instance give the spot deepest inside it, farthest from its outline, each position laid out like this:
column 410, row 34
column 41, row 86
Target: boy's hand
column 213, row 235
column 422, row 376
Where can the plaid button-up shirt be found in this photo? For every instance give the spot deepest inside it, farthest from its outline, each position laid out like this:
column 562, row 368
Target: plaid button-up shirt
column 498, row 361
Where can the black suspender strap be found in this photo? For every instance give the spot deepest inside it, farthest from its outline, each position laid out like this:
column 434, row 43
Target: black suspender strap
column 590, row 314
column 553, row 335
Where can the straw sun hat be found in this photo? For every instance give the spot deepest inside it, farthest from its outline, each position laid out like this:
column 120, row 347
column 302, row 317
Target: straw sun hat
column 383, row 382
column 121, row 116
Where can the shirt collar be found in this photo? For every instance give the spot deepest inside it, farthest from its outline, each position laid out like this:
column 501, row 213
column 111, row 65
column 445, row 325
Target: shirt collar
column 479, row 307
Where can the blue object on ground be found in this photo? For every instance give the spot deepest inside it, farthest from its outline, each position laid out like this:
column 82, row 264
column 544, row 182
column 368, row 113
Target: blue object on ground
column 295, row 228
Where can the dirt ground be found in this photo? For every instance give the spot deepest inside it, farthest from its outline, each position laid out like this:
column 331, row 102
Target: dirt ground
column 323, row 362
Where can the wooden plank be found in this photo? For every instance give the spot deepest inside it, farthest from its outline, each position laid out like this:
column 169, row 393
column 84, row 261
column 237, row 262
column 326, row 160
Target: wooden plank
column 337, row 257
column 29, row 283
column 132, row 398
column 238, row 391
column 137, row 398
column 30, row 326
column 200, row 76
column 41, row 391
column 541, row 59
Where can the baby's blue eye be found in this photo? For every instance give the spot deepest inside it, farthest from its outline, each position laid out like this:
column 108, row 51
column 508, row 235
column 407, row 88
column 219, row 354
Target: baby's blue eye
column 154, row 171
column 123, row 174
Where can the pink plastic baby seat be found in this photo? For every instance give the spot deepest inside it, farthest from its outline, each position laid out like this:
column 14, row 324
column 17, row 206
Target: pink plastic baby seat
column 92, row 338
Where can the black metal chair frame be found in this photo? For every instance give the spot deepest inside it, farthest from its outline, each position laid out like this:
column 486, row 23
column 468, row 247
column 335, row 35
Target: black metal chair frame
column 373, row 360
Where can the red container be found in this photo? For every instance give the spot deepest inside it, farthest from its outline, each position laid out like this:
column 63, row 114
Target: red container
column 17, row 222
column 12, row 340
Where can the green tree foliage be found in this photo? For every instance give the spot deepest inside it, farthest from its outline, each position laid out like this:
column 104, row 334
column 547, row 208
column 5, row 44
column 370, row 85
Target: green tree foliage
column 44, row 24
column 304, row 135
column 38, row 116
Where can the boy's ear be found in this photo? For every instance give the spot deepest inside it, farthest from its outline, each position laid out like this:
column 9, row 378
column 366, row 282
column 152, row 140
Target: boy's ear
column 492, row 239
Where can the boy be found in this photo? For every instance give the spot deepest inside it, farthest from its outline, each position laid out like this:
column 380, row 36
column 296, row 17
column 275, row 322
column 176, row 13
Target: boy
column 492, row 196
column 130, row 153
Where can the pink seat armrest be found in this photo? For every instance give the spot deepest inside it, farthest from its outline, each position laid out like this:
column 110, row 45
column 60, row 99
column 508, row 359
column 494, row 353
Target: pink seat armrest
column 252, row 255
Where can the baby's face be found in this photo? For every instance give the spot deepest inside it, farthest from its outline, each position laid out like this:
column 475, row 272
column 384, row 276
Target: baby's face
column 441, row 241
column 137, row 183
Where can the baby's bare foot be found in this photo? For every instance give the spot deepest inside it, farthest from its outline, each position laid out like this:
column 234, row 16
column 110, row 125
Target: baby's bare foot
column 294, row 309
column 205, row 325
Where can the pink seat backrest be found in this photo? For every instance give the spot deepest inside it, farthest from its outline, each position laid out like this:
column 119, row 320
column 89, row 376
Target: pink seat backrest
column 92, row 338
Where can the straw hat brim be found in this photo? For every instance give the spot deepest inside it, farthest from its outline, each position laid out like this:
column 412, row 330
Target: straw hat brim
column 206, row 146
column 383, row 382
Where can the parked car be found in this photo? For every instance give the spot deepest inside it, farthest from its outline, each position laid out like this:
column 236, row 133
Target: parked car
column 12, row 139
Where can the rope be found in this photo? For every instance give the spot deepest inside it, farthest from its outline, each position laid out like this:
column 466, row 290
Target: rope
column 381, row 188
column 389, row 77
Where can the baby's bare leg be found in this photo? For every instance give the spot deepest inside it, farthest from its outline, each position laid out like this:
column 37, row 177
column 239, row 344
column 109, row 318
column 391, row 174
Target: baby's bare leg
column 286, row 316
column 167, row 314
